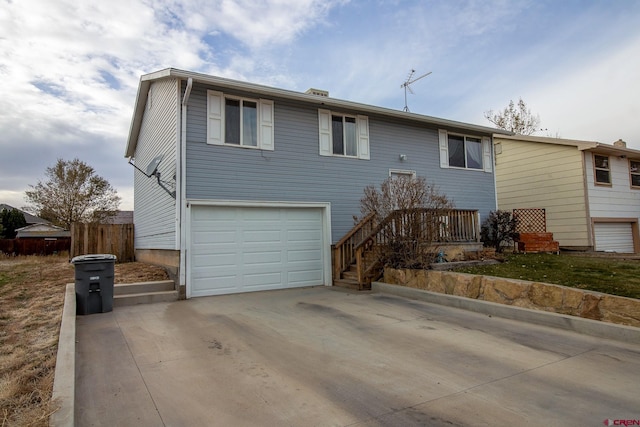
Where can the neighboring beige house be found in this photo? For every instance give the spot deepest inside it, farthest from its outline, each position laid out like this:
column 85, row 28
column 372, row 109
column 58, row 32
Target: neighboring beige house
column 590, row 190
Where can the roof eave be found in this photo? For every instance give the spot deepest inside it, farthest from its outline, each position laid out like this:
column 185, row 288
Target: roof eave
column 612, row 149
column 581, row 145
column 147, row 79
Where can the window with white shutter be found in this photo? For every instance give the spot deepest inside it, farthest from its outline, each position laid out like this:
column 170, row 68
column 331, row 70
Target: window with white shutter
column 343, row 135
column 464, row 151
column 240, row 122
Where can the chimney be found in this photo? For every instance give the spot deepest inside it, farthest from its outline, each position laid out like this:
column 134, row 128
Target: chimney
column 620, row 144
column 317, row 92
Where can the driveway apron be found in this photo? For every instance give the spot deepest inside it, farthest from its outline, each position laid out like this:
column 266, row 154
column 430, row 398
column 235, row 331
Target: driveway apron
column 322, row 357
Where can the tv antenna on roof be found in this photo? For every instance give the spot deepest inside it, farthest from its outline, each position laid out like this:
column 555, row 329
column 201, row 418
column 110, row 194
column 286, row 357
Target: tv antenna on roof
column 406, row 86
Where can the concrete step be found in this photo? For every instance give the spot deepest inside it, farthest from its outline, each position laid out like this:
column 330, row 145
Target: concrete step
column 144, row 298
column 144, row 293
column 143, row 287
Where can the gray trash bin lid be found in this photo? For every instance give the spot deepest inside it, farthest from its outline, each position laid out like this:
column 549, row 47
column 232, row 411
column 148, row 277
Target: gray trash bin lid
column 93, row 258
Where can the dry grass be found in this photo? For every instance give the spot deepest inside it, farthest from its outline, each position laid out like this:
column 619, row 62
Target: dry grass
column 31, row 299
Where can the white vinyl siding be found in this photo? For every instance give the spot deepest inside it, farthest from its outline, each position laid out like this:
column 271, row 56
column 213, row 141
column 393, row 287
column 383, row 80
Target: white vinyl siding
column 343, row 135
column 240, row 122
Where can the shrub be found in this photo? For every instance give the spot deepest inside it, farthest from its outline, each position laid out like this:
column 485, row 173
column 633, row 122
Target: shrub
column 410, row 237
column 498, row 229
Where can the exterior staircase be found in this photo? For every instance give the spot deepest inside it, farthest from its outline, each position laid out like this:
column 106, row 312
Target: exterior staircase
column 144, row 293
column 348, row 279
column 356, row 260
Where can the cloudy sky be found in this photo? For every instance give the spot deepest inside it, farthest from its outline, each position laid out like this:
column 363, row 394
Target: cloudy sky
column 70, row 68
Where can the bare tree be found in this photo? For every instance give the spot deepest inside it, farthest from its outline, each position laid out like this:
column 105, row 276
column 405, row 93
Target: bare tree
column 401, row 193
column 411, row 220
column 72, row 193
column 515, row 118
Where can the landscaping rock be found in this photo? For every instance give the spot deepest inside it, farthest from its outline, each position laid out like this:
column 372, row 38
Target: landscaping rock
column 590, row 307
column 547, row 296
column 620, row 310
column 521, row 293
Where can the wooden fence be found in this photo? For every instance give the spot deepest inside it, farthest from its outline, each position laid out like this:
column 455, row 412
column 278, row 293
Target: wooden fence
column 115, row 239
column 31, row 246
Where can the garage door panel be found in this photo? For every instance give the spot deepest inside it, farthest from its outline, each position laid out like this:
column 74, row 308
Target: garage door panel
column 217, row 260
column 306, row 278
column 261, row 258
column 241, row 249
column 261, row 236
column 223, row 284
column 304, row 236
column 613, row 237
column 262, row 279
column 303, row 255
column 204, row 237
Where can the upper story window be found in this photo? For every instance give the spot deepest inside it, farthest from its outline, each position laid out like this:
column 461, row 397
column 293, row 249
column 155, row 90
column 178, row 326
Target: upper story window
column 237, row 121
column 343, row 135
column 634, row 171
column 241, row 122
column 602, row 169
column 464, row 151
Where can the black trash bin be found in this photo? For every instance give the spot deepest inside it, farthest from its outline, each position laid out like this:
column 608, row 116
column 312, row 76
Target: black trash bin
column 94, row 283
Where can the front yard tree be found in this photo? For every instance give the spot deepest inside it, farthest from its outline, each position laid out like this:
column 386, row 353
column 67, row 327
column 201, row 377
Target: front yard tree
column 515, row 118
column 73, row 192
column 10, row 221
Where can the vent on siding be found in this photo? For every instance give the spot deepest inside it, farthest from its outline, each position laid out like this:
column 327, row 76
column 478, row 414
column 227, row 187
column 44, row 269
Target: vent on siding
column 317, row 92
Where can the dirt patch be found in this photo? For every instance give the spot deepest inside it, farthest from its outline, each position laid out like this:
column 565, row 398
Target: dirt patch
column 31, row 299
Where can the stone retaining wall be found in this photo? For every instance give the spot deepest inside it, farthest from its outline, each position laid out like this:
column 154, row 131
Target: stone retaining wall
column 522, row 293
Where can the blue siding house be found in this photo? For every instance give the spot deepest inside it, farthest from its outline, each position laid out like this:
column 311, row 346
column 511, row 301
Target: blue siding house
column 256, row 183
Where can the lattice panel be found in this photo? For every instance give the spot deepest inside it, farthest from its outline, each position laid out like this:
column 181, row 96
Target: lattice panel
column 530, row 220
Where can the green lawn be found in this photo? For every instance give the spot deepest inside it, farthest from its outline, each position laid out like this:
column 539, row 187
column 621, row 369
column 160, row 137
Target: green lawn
column 611, row 276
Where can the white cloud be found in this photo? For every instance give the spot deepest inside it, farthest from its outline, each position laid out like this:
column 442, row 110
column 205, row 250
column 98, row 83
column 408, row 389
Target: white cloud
column 12, row 198
column 71, row 69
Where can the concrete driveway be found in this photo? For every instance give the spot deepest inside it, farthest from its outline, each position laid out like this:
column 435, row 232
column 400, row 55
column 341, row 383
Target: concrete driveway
column 322, row 357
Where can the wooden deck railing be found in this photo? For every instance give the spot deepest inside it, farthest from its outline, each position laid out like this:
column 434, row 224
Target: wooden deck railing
column 344, row 253
column 412, row 226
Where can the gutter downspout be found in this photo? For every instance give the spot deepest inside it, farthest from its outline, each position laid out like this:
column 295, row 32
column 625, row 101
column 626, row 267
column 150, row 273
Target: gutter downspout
column 182, row 201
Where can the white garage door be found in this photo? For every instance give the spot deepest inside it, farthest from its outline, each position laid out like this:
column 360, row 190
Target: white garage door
column 244, row 249
column 613, row 237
